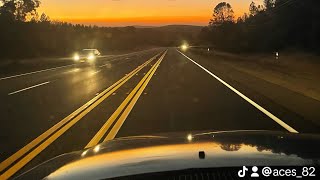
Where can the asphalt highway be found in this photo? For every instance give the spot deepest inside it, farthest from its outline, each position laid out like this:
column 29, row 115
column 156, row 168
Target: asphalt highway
column 54, row 109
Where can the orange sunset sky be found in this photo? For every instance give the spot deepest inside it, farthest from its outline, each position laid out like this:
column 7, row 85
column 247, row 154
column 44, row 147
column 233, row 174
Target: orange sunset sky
column 137, row 12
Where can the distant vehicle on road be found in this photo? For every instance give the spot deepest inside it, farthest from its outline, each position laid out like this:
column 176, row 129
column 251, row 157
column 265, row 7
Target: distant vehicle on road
column 86, row 55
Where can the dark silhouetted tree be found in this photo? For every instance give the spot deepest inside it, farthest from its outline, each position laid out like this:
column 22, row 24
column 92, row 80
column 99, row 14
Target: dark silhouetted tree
column 253, row 9
column 44, row 18
column 269, row 4
column 279, row 24
column 222, row 13
column 20, row 10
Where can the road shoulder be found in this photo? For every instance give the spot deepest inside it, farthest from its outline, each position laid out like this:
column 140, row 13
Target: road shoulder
column 295, row 108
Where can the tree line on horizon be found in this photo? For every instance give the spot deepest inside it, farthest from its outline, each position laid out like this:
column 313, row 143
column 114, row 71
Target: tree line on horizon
column 24, row 33
column 272, row 26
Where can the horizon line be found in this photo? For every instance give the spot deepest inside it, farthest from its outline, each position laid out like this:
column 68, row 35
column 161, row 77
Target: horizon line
column 139, row 21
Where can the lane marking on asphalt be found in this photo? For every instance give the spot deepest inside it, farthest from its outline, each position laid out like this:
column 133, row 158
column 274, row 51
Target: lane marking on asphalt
column 96, row 139
column 34, row 72
column 269, row 114
column 104, row 65
column 96, row 72
column 51, row 69
column 24, row 89
column 71, row 120
column 57, row 130
column 141, row 85
column 127, row 111
column 124, row 55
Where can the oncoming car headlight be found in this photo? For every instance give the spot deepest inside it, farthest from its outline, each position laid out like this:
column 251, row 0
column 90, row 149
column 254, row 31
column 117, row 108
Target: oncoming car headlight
column 76, row 57
column 91, row 57
column 184, row 47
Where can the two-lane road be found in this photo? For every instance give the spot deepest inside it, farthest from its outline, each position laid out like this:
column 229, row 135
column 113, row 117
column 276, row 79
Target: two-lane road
column 51, row 112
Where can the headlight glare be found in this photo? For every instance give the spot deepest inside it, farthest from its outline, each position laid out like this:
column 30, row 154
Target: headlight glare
column 91, row 57
column 76, row 57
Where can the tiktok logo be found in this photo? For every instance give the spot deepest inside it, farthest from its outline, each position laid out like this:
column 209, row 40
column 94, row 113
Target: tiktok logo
column 242, row 172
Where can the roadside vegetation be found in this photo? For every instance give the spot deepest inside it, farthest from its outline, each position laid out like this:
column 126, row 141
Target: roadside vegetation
column 272, row 26
column 244, row 49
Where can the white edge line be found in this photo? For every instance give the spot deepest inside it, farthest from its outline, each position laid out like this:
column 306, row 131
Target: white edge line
column 96, row 72
column 273, row 117
column 104, row 65
column 50, row 69
column 15, row 92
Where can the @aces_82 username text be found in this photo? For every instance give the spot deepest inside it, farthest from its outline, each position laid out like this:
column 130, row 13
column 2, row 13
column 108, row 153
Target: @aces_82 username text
column 287, row 171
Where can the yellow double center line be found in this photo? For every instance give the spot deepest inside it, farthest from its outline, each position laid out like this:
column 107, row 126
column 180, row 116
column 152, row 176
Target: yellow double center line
column 60, row 128
column 125, row 107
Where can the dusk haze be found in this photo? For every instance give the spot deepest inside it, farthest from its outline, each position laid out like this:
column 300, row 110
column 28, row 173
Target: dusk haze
column 137, row 12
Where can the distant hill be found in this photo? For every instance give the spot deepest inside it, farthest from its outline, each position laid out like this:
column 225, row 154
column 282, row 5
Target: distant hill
column 174, row 28
column 170, row 35
column 180, row 28
column 139, row 26
column 171, row 27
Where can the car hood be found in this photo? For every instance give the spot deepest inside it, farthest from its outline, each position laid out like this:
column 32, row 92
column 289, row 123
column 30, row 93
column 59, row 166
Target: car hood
column 178, row 151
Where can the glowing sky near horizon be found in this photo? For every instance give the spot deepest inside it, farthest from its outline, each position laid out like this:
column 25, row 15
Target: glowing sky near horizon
column 137, row 12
